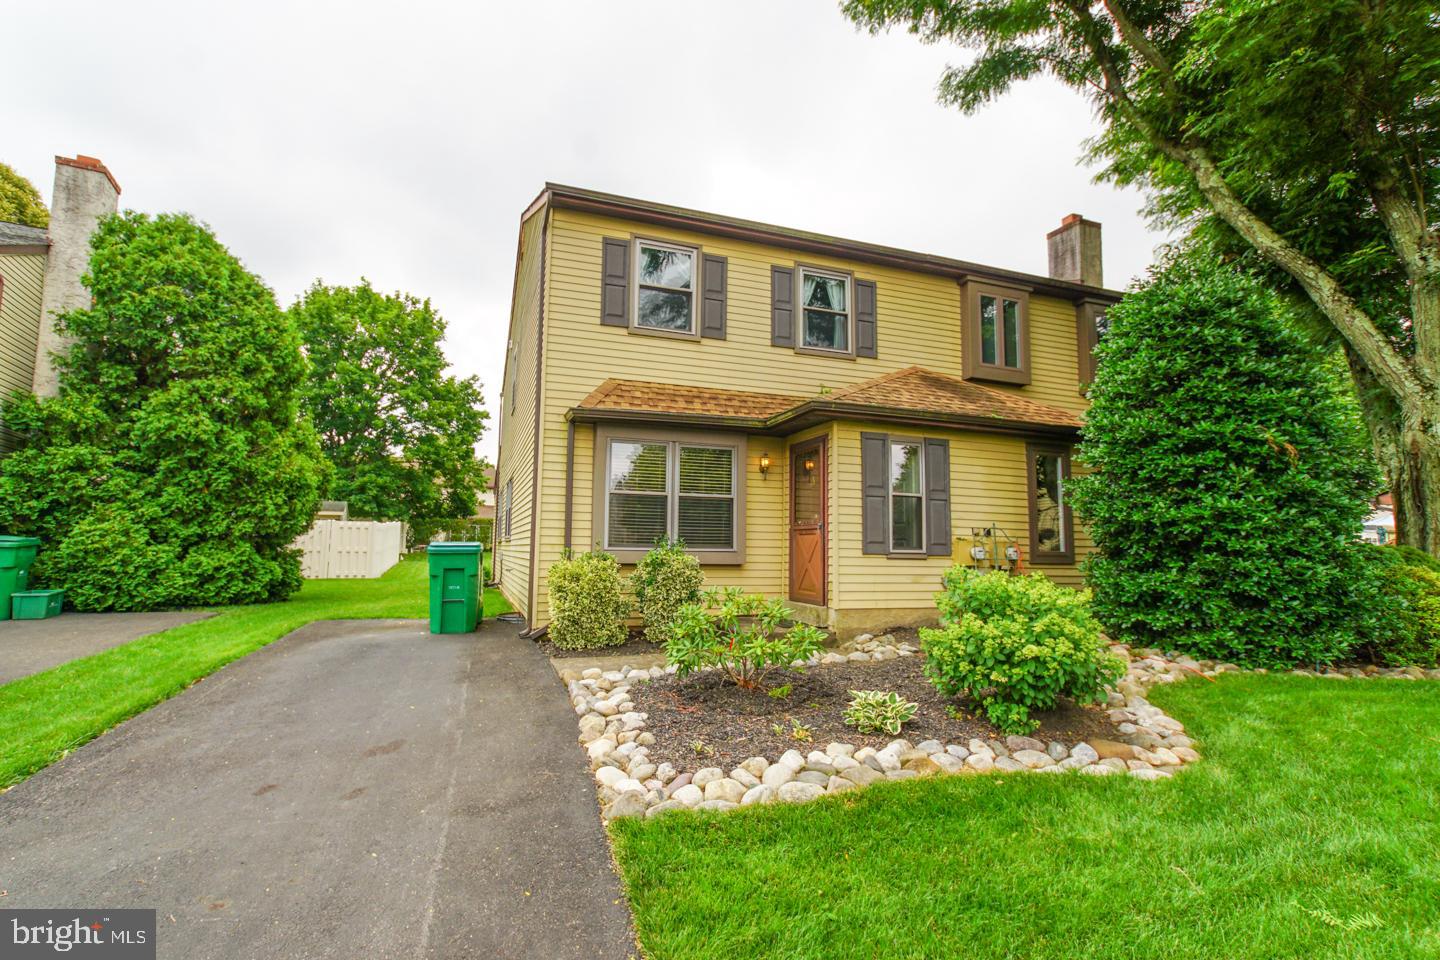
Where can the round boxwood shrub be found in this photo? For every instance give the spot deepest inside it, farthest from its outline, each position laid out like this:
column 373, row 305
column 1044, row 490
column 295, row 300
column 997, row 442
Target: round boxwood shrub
column 1016, row 644
column 1230, row 477
column 588, row 606
column 665, row 579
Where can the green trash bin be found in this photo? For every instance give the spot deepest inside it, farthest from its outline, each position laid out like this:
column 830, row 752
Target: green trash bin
column 16, row 555
column 454, row 586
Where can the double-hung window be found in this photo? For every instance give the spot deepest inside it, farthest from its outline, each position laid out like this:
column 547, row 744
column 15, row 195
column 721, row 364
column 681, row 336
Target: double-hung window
column 907, row 496
column 655, row 487
column 1052, row 534
column 996, row 344
column 826, row 315
column 665, row 288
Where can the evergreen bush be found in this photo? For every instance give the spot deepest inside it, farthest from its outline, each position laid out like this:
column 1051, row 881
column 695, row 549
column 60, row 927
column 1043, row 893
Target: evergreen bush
column 1230, row 477
column 665, row 579
column 588, row 606
column 174, row 468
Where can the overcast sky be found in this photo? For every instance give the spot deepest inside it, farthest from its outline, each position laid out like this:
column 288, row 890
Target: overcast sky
column 401, row 142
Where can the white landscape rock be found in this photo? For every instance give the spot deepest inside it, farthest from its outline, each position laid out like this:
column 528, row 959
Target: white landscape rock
column 799, row 792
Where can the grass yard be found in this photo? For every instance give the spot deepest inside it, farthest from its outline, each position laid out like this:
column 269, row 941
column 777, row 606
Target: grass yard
column 1310, row 829
column 42, row 717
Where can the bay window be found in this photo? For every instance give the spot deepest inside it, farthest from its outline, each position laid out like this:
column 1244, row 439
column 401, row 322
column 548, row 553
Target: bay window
column 654, row 485
column 995, row 346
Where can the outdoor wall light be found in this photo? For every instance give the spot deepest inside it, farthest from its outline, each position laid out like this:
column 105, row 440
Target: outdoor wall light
column 764, row 464
column 809, row 465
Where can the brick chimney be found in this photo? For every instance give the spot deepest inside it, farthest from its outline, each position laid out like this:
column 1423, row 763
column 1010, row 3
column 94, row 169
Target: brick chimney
column 85, row 192
column 1075, row 251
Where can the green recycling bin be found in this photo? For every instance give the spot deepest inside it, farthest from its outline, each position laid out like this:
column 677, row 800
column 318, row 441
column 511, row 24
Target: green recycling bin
column 16, row 555
column 454, row 586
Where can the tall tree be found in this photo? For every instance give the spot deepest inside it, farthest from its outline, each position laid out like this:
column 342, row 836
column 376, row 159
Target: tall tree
column 174, row 468
column 1304, row 134
column 400, row 433
column 19, row 200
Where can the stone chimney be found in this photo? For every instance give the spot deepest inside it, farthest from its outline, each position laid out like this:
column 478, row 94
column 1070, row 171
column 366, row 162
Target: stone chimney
column 1075, row 251
column 85, row 192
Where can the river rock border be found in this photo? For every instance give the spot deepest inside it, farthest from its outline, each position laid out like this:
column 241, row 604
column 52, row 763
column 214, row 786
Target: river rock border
column 613, row 734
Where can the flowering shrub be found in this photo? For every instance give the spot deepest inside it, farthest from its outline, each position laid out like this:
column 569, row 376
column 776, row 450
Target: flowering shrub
column 665, row 580
column 875, row 711
column 740, row 638
column 587, row 607
column 1016, row 644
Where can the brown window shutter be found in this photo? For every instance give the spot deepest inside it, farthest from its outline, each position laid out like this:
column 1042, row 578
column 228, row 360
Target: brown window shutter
column 865, row 343
column 937, row 498
column 713, row 271
column 782, row 307
column 615, row 283
column 875, row 521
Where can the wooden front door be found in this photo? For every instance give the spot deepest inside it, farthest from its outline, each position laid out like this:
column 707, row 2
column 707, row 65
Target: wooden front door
column 807, row 522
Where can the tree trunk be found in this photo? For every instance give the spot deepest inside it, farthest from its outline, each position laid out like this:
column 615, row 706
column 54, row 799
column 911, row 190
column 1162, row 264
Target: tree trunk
column 1408, row 452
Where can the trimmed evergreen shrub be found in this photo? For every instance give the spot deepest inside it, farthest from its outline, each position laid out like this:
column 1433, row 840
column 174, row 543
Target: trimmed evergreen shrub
column 1405, row 630
column 665, row 580
column 588, row 606
column 1016, row 644
column 1230, row 477
column 174, row 468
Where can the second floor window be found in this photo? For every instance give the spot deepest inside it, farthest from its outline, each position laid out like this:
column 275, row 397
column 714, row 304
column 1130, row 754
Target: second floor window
column 825, row 302
column 664, row 287
column 995, row 345
column 1000, row 331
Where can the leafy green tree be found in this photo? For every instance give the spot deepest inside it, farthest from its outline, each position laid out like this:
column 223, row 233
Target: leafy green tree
column 1230, row 482
column 1304, row 134
column 19, row 200
column 400, row 433
column 174, row 468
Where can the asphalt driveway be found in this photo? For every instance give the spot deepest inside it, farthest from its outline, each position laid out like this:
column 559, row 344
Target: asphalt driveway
column 30, row 646
column 358, row 788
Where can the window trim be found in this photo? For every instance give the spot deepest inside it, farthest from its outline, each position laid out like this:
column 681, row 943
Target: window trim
column 919, row 443
column 696, row 282
column 973, row 367
column 1033, row 451
column 1088, row 314
column 799, row 308
column 600, row 504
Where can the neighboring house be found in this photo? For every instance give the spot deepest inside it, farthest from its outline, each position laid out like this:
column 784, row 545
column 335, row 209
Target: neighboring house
column 40, row 273
column 1380, row 524
column 826, row 421
column 485, row 501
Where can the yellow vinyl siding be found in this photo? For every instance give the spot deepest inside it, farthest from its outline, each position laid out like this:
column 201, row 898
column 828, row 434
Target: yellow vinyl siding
column 516, row 462
column 24, row 281
column 919, row 323
column 988, row 488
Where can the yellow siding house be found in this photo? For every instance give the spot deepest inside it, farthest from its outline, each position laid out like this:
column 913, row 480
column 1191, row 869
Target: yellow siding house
column 829, row 422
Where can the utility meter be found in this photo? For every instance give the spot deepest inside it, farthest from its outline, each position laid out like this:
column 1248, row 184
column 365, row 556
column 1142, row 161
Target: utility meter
column 977, row 553
column 1012, row 553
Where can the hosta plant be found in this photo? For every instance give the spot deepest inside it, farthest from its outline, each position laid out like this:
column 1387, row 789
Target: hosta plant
column 739, row 634
column 875, row 711
column 665, row 580
column 1016, row 644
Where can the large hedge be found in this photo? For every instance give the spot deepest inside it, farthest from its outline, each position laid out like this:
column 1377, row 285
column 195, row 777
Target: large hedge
column 174, row 468
column 1230, row 478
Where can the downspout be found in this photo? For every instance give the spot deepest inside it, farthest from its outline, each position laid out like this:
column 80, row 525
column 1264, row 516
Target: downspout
column 569, row 480
column 539, row 412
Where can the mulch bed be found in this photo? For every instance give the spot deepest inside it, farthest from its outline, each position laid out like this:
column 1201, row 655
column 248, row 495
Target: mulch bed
column 734, row 724
column 636, row 646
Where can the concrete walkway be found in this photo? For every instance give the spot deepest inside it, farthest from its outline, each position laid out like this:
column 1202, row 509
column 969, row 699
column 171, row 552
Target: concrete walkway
column 30, row 646
column 358, row 788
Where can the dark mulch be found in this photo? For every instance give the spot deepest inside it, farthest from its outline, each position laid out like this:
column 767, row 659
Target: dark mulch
column 734, row 724
column 637, row 645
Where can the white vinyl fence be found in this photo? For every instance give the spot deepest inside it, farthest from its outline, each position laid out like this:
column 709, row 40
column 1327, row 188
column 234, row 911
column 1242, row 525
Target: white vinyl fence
column 349, row 549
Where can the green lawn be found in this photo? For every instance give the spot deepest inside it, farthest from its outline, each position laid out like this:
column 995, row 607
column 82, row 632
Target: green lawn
column 42, row 717
column 1310, row 829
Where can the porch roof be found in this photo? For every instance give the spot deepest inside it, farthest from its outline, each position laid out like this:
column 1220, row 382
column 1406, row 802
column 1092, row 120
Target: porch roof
column 914, row 396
